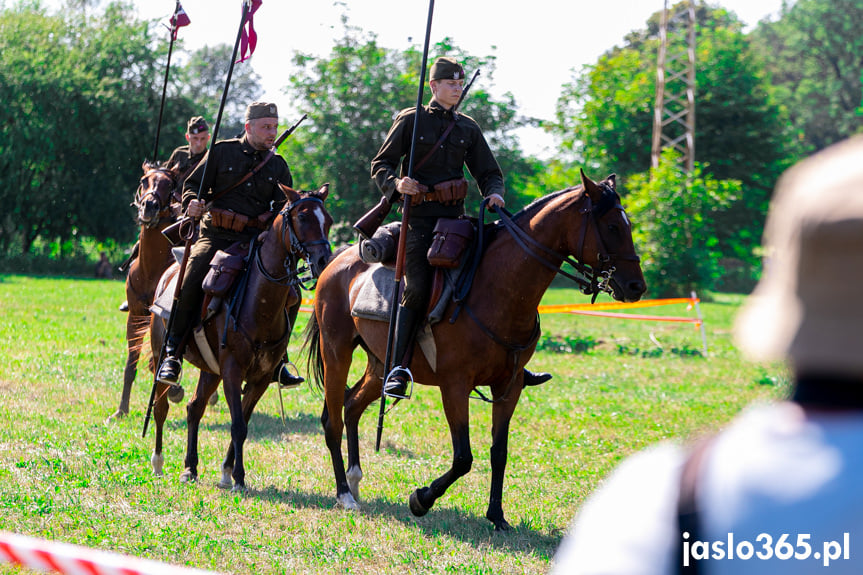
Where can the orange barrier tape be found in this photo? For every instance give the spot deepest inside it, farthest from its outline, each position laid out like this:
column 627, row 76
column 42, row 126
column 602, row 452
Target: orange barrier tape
column 695, row 321
column 562, row 308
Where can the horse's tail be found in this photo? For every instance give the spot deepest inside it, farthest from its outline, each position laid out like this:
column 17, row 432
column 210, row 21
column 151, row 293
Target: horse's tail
column 312, row 342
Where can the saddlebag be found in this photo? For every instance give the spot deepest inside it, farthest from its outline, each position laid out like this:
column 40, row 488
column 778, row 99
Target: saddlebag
column 451, row 238
column 224, row 269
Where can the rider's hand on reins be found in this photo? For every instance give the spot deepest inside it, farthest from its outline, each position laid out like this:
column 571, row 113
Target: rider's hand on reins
column 495, row 201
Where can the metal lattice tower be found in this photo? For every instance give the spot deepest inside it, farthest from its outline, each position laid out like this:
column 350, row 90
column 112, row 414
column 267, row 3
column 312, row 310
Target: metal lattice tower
column 674, row 112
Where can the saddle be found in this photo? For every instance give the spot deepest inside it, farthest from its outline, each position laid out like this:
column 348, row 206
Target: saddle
column 371, row 295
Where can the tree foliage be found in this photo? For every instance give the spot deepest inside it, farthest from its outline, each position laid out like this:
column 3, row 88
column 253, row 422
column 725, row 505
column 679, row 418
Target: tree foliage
column 813, row 55
column 606, row 120
column 203, row 80
column 674, row 215
column 76, row 122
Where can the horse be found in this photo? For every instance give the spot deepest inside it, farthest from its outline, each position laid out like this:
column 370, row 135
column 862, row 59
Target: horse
column 157, row 209
column 489, row 342
column 249, row 342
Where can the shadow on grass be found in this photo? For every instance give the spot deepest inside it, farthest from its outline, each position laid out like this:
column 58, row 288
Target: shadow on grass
column 467, row 527
column 261, row 425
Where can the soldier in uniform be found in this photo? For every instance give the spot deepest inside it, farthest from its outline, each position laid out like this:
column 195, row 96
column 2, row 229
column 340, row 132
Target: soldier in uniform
column 229, row 161
column 185, row 158
column 437, row 190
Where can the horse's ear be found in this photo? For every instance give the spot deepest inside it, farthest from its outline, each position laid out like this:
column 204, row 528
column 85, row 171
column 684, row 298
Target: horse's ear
column 145, row 167
column 612, row 181
column 291, row 194
column 323, row 191
column 593, row 191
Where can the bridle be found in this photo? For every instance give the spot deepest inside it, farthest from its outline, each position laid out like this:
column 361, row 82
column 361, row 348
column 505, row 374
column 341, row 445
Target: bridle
column 592, row 280
column 299, row 250
column 165, row 208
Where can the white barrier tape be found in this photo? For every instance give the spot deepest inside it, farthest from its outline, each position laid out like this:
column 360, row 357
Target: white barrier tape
column 52, row 557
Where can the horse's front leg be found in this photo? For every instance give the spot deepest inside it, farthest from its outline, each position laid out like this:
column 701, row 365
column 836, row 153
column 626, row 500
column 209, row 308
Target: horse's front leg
column 207, row 384
column 232, row 467
column 501, row 417
column 337, row 362
column 136, row 326
column 455, row 403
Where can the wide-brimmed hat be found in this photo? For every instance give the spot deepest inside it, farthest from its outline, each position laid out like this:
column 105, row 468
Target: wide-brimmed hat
column 808, row 306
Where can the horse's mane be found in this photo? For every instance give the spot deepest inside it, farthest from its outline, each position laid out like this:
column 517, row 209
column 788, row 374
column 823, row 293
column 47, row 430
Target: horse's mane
column 539, row 203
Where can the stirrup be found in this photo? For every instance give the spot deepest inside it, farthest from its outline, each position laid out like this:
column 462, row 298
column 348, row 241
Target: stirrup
column 399, row 383
column 285, row 377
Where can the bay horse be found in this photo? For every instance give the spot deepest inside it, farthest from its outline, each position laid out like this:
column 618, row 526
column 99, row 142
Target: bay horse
column 248, row 343
column 488, row 344
column 157, row 209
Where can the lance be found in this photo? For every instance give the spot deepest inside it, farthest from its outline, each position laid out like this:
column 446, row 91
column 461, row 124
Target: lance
column 191, row 229
column 400, row 253
column 165, row 83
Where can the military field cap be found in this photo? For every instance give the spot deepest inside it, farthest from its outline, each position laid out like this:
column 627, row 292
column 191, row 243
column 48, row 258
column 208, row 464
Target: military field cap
column 197, row 124
column 446, row 69
column 261, row 110
column 808, row 308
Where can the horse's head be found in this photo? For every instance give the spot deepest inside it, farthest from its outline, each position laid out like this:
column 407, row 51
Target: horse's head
column 610, row 251
column 154, row 195
column 306, row 227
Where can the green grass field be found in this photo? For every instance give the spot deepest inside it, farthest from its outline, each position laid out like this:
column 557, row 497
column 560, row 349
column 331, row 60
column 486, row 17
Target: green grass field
column 66, row 475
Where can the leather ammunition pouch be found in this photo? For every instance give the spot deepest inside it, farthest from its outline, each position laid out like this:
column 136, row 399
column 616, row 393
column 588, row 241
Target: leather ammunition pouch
column 451, row 238
column 448, row 193
column 224, row 269
column 230, row 220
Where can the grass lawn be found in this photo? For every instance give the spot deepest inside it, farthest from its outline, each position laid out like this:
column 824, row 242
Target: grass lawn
column 66, row 475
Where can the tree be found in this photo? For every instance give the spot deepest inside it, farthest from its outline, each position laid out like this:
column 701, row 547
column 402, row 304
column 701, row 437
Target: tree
column 674, row 225
column 813, row 55
column 203, row 77
column 605, row 117
column 77, row 121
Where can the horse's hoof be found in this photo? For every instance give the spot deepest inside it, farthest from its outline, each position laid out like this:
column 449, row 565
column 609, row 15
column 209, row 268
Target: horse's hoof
column 157, row 462
column 354, row 476
column 502, row 525
column 417, row 508
column 188, row 477
column 176, row 394
column 116, row 415
column 238, row 488
column 214, row 398
column 346, row 501
column 225, row 486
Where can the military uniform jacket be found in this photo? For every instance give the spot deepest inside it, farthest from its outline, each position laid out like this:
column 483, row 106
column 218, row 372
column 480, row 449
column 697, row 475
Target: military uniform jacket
column 182, row 161
column 464, row 146
column 229, row 161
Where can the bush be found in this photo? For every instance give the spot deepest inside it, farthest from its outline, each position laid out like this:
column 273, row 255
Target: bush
column 673, row 216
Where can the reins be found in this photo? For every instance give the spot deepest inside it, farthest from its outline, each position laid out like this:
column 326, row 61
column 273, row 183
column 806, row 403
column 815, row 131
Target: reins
column 591, row 280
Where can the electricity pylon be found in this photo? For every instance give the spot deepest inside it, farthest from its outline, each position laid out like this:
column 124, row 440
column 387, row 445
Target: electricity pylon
column 674, row 111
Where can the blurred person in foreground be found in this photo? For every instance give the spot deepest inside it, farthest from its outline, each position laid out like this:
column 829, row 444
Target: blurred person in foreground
column 779, row 489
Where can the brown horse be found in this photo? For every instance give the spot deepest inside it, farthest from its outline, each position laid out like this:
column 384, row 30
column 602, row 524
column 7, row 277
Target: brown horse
column 156, row 211
column 249, row 344
column 488, row 344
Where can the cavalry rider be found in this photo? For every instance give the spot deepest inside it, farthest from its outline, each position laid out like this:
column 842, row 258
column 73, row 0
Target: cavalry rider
column 228, row 161
column 182, row 161
column 440, row 176
column 185, row 158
